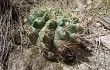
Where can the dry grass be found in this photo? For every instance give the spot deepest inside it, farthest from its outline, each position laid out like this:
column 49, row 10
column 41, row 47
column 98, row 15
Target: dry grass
column 12, row 13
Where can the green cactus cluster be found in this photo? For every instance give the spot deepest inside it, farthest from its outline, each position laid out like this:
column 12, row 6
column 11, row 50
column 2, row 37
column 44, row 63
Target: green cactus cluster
column 54, row 28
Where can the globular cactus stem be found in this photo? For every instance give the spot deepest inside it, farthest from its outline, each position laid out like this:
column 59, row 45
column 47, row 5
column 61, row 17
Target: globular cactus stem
column 64, row 31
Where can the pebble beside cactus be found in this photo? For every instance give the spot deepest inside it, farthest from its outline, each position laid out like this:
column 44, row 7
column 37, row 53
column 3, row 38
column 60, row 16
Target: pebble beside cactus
column 55, row 33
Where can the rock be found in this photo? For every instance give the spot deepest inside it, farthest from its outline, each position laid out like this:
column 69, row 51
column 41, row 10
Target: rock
column 106, row 41
column 105, row 21
column 1, row 67
column 66, row 68
column 82, row 4
column 98, row 24
column 19, row 61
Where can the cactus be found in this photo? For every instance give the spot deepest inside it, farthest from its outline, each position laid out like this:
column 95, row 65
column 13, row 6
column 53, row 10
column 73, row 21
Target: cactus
column 38, row 23
column 51, row 24
column 35, row 14
column 54, row 33
column 59, row 33
column 60, row 21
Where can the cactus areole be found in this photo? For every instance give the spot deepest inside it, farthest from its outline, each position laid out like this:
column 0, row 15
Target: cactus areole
column 58, row 36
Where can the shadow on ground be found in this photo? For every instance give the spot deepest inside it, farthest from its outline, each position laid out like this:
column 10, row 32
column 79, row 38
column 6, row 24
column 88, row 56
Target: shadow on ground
column 81, row 56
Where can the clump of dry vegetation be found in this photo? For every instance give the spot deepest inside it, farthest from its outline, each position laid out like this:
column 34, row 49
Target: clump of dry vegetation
column 12, row 13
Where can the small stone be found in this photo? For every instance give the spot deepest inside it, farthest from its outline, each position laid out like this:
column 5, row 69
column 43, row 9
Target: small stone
column 98, row 24
column 106, row 41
